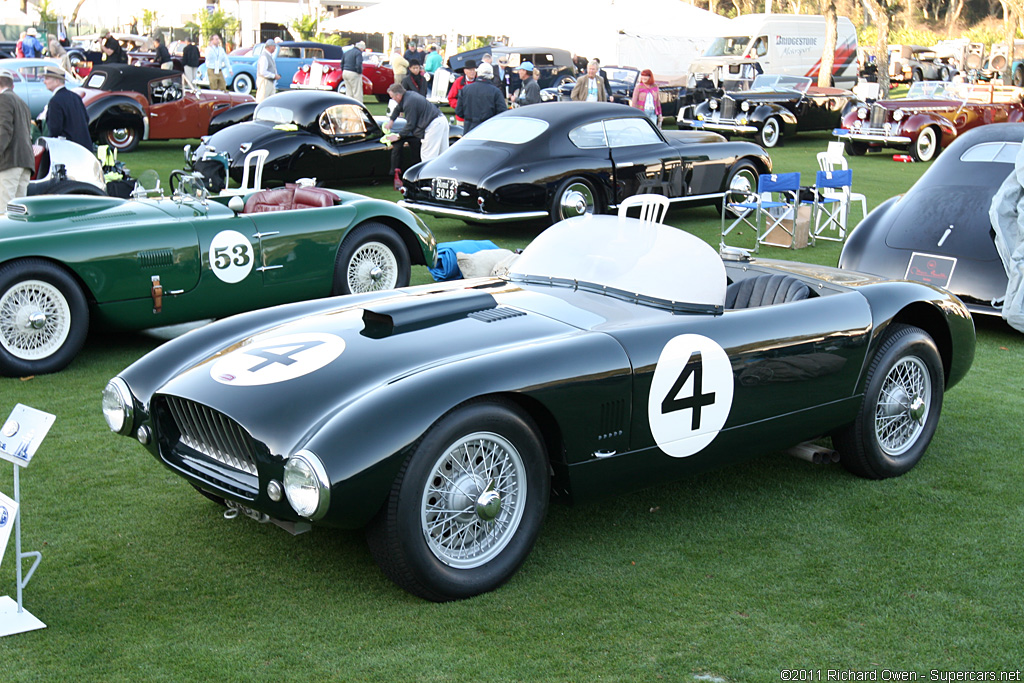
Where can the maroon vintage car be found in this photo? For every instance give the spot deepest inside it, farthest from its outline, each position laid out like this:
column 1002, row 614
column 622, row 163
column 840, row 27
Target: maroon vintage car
column 127, row 104
column 931, row 116
column 325, row 74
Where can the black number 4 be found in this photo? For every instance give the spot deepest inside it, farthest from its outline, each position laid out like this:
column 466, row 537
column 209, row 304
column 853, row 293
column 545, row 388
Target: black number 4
column 672, row 402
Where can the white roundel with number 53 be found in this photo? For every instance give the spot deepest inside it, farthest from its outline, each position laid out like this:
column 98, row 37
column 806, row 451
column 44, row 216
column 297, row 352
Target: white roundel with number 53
column 231, row 256
column 691, row 394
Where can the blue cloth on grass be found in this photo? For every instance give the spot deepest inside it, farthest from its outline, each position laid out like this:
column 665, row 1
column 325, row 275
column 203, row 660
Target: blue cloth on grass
column 447, row 267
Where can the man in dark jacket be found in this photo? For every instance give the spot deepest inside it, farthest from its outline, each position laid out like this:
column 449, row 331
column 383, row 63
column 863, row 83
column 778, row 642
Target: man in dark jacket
column 162, row 56
column 352, row 70
column 426, row 128
column 16, row 158
column 190, row 59
column 415, row 80
column 65, row 114
column 480, row 100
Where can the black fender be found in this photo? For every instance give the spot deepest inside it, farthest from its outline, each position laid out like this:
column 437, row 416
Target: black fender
column 763, row 112
column 114, row 112
column 229, row 117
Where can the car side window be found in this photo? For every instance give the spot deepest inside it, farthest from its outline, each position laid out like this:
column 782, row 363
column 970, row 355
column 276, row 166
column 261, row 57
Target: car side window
column 289, row 52
column 30, row 74
column 589, row 136
column 314, row 53
column 165, row 90
column 630, row 132
column 343, row 120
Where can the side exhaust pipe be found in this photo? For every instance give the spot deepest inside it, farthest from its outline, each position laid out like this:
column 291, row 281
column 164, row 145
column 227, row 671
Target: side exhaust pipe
column 813, row 453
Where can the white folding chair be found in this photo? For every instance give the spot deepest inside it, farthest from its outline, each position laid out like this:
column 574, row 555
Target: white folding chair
column 254, row 159
column 653, row 207
column 834, row 159
column 765, row 209
column 831, row 204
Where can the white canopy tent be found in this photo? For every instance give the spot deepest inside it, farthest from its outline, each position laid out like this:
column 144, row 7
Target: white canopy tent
column 663, row 35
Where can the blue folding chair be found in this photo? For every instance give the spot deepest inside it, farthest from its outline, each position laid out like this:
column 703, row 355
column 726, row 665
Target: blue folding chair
column 831, row 204
column 765, row 209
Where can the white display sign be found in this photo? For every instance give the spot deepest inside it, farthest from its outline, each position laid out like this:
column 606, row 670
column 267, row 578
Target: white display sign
column 22, row 433
column 8, row 511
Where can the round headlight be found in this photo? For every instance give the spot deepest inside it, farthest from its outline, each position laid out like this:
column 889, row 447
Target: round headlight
column 117, row 406
column 306, row 485
column 713, row 104
column 862, row 112
column 897, row 115
column 745, row 106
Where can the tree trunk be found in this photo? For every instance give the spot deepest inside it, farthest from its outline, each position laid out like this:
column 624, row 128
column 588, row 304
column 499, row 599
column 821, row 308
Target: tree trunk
column 953, row 15
column 74, row 14
column 881, row 19
column 828, row 52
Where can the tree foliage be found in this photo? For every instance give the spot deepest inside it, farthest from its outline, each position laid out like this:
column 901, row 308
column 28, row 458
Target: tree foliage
column 209, row 23
column 305, row 27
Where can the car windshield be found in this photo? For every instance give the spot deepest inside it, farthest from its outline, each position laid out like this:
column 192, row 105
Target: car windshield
column 728, row 46
column 775, row 83
column 932, row 90
column 274, row 114
column 625, row 77
column 512, row 130
column 646, row 262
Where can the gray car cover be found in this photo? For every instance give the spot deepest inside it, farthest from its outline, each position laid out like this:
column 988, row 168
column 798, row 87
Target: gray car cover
column 1007, row 216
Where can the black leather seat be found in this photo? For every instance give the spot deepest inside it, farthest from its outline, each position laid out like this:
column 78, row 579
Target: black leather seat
column 765, row 290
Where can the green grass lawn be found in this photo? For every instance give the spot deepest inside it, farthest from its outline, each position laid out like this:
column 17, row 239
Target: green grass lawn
column 734, row 575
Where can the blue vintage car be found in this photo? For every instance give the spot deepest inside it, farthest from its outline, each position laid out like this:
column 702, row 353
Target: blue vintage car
column 290, row 55
column 28, row 81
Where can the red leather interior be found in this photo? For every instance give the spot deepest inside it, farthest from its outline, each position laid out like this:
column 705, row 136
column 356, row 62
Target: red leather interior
column 289, row 197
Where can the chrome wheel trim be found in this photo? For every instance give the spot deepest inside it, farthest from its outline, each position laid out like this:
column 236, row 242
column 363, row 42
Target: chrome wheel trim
column 577, row 199
column 23, row 333
column 119, row 137
column 238, row 84
column 904, row 404
column 770, row 133
column 926, row 143
column 742, row 185
column 458, row 498
column 372, row 268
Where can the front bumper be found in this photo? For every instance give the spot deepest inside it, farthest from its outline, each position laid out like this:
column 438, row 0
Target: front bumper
column 472, row 216
column 728, row 125
column 306, row 86
column 872, row 136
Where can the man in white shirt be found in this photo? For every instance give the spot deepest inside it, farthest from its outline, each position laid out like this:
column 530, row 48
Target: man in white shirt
column 218, row 68
column 266, row 72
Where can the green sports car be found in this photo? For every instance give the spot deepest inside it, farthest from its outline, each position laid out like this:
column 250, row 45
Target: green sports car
column 141, row 263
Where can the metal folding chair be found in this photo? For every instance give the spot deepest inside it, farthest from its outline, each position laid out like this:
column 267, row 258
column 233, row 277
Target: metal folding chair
column 255, row 160
column 653, row 207
column 831, row 204
column 768, row 208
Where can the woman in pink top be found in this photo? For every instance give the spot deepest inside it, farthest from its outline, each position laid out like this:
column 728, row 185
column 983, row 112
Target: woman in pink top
column 646, row 97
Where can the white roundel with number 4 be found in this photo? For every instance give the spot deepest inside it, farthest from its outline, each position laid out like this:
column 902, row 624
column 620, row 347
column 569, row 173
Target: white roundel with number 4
column 691, row 394
column 231, row 256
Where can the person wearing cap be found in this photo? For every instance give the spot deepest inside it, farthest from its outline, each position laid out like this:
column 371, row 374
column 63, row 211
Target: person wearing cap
column 589, row 88
column 426, row 129
column 190, row 59
column 266, row 72
column 414, row 80
column 501, row 74
column 467, row 77
column 65, row 114
column 480, row 100
column 399, row 65
column 529, row 91
column 352, row 70
column 31, row 45
column 218, row 67
column 432, row 62
column 411, row 55
column 16, row 158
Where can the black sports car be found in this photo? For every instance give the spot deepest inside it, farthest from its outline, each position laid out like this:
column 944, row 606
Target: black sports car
column 772, row 109
column 308, row 134
column 569, row 158
column 939, row 231
column 617, row 354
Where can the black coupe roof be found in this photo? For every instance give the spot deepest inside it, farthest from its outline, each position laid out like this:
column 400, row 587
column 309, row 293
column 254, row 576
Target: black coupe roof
column 113, row 77
column 561, row 57
column 305, row 105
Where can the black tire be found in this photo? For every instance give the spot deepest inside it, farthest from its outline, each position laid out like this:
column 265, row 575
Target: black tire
column 770, row 134
column 926, row 146
column 122, row 138
column 855, row 148
column 900, row 410
column 944, row 74
column 740, row 183
column 574, row 197
column 242, row 83
column 372, row 258
column 916, row 76
column 476, row 447
column 1018, row 76
column 30, row 288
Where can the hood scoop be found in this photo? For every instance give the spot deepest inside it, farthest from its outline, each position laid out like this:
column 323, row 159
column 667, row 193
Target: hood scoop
column 396, row 316
column 78, row 208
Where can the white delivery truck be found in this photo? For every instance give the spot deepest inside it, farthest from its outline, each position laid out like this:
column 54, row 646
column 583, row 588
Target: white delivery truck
column 785, row 44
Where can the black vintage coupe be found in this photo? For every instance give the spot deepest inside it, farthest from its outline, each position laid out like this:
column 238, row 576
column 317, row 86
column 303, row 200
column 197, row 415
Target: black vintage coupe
column 939, row 232
column 617, row 354
column 774, row 108
column 570, row 158
column 308, row 134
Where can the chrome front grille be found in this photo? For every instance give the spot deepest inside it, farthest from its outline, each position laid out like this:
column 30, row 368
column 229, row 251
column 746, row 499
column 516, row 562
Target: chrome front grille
column 213, row 434
column 728, row 108
column 879, row 115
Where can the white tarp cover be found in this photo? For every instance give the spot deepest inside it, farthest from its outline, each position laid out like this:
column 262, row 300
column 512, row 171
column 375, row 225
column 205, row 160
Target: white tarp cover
column 1007, row 216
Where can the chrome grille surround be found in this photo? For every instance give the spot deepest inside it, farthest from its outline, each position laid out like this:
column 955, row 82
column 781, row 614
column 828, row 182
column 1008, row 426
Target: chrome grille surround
column 879, row 115
column 213, row 434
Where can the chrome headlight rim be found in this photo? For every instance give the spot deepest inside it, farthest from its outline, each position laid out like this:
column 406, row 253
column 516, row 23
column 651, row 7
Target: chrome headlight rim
column 862, row 112
column 120, row 395
column 897, row 115
column 713, row 104
column 318, row 474
column 745, row 106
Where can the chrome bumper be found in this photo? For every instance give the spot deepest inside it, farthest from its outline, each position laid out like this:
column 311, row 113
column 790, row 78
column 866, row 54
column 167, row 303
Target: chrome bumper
column 298, row 86
column 876, row 135
column 731, row 125
column 472, row 216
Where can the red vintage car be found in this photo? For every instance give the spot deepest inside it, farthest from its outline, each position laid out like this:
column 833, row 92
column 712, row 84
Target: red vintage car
column 325, row 74
column 127, row 104
column 931, row 116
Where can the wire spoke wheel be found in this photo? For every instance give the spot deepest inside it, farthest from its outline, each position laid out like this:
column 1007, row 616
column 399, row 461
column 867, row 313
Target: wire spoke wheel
column 35, row 320
column 903, row 406
column 372, row 268
column 473, row 500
